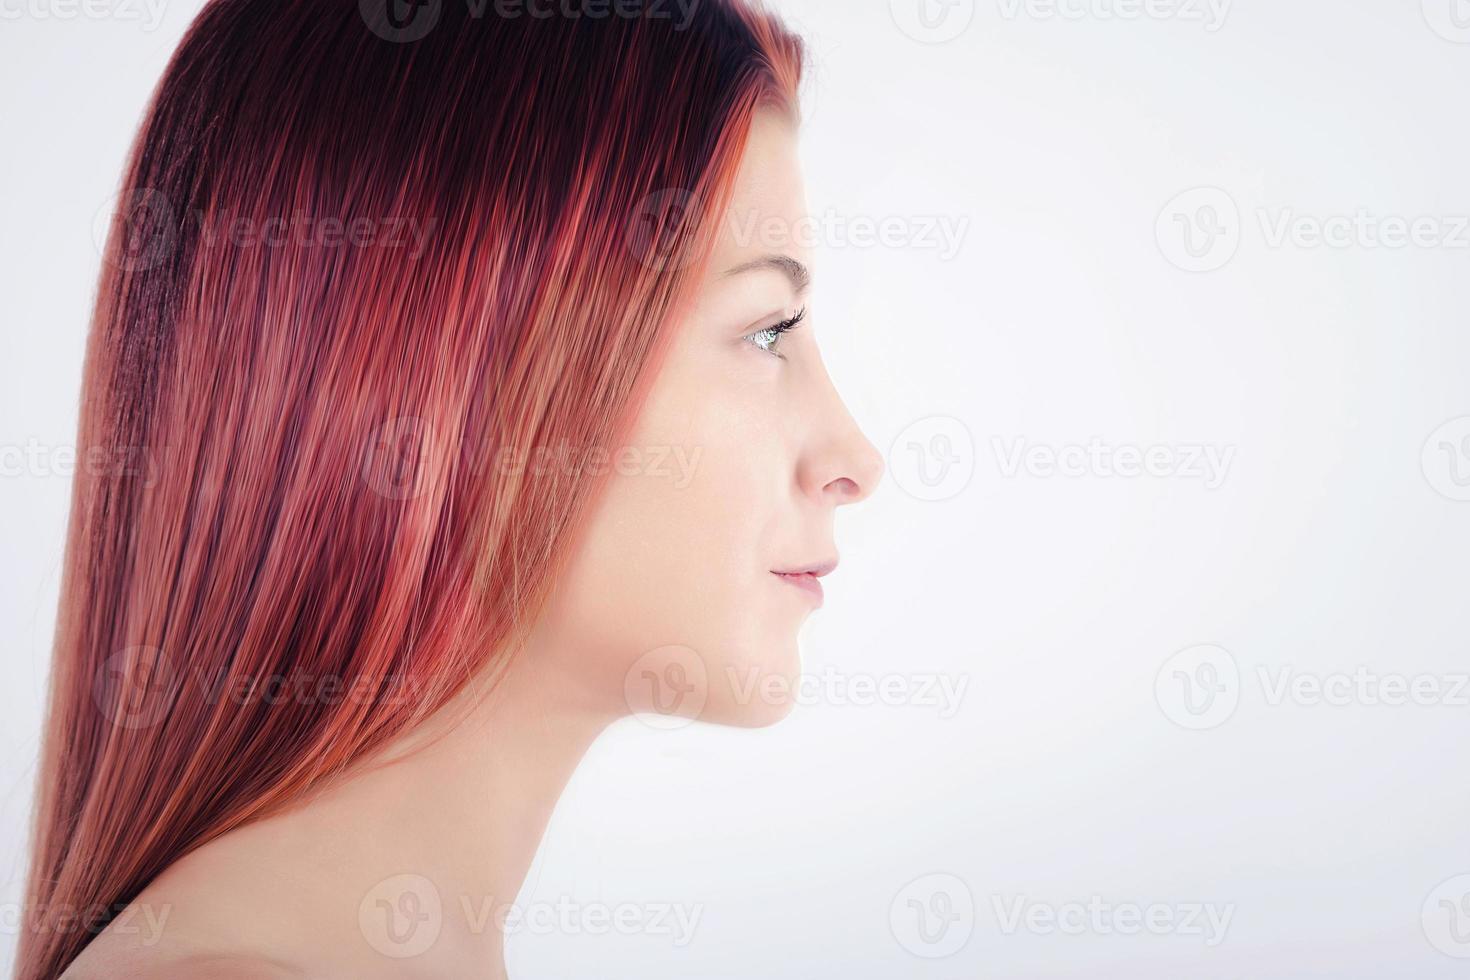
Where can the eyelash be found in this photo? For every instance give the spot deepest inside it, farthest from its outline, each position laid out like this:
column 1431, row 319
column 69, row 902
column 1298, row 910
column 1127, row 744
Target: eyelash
column 767, row 338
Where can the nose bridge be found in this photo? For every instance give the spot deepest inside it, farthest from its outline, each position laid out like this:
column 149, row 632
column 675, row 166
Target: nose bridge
column 838, row 462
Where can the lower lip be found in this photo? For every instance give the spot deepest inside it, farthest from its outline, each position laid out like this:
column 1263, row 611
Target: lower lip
column 806, row 582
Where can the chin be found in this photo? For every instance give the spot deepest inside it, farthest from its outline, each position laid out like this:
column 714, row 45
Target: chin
column 762, row 715
column 755, row 692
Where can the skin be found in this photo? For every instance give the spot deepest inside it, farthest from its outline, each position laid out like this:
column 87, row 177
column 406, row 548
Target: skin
column 669, row 604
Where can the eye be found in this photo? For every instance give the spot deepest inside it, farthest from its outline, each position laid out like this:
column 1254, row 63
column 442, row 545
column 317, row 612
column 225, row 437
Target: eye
column 768, row 338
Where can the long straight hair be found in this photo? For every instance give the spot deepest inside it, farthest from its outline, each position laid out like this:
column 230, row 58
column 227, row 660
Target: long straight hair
column 383, row 277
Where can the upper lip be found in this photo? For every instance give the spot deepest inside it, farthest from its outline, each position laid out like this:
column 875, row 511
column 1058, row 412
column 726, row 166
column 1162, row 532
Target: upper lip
column 817, row 569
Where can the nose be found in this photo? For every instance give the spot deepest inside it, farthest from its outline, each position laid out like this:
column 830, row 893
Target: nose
column 840, row 466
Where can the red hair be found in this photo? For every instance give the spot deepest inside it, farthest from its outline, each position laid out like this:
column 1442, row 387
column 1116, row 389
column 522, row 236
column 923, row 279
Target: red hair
column 361, row 268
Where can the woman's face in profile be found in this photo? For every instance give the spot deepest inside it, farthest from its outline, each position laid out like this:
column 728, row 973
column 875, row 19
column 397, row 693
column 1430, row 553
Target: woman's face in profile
column 731, row 476
column 345, row 642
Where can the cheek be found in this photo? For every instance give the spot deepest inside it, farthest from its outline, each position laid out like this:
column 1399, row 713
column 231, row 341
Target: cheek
column 679, row 548
column 680, row 532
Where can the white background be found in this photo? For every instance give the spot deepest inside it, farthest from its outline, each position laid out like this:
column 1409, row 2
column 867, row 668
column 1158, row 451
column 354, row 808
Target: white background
column 1059, row 138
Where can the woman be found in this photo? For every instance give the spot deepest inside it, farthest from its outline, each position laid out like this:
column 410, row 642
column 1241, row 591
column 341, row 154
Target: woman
column 468, row 351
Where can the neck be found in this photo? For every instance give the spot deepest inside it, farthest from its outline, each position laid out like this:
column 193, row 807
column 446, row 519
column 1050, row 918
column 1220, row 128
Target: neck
column 406, row 869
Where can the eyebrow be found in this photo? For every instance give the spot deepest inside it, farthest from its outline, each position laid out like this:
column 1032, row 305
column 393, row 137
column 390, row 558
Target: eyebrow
column 799, row 274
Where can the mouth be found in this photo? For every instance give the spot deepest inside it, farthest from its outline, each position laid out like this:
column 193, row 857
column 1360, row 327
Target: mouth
column 807, row 578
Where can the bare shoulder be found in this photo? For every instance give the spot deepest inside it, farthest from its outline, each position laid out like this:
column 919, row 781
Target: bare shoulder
column 222, row 968
column 186, row 968
column 173, row 931
column 107, row 958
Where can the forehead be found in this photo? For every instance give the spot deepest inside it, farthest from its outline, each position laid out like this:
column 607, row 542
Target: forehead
column 768, row 202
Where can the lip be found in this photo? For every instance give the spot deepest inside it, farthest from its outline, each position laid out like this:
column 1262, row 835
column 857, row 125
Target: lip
column 807, row 577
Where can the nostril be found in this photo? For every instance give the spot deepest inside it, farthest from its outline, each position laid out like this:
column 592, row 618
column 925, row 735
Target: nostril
column 845, row 489
column 868, row 470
